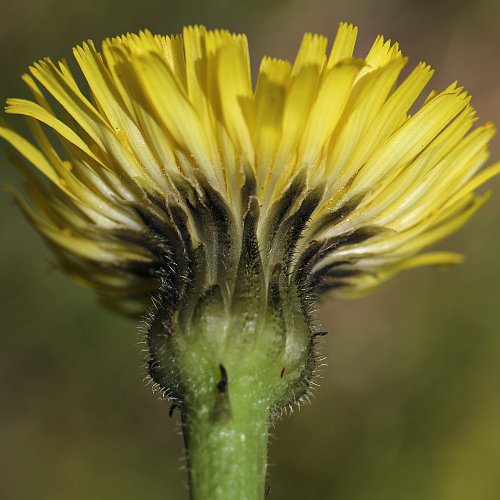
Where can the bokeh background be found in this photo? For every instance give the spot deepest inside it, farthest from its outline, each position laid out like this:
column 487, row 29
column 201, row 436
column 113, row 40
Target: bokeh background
column 409, row 404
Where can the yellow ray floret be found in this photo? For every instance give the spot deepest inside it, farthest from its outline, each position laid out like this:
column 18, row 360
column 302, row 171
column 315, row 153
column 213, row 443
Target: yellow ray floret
column 163, row 153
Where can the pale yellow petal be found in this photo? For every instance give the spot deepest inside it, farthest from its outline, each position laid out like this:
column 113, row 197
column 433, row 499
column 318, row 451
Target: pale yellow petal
column 30, row 152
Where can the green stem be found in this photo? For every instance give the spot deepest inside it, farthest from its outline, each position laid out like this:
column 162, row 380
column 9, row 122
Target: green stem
column 226, row 435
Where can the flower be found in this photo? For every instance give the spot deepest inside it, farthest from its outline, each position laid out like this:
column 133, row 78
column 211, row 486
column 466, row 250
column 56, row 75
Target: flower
column 175, row 175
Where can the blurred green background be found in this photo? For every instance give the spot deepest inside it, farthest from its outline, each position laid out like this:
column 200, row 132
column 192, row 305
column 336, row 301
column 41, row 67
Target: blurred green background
column 409, row 404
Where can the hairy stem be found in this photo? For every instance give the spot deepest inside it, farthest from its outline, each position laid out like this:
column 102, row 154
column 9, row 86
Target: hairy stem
column 226, row 434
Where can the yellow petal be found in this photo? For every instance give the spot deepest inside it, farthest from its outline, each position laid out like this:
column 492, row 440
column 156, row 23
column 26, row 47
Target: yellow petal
column 326, row 111
column 270, row 96
column 312, row 52
column 343, row 46
column 236, row 97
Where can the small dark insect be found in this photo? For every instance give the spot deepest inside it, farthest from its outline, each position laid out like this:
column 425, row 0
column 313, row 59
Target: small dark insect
column 222, row 409
column 222, row 385
column 282, row 372
column 318, row 334
column 173, row 406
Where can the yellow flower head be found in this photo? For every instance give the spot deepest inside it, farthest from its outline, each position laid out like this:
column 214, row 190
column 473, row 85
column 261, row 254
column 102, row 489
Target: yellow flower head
column 320, row 173
column 235, row 208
